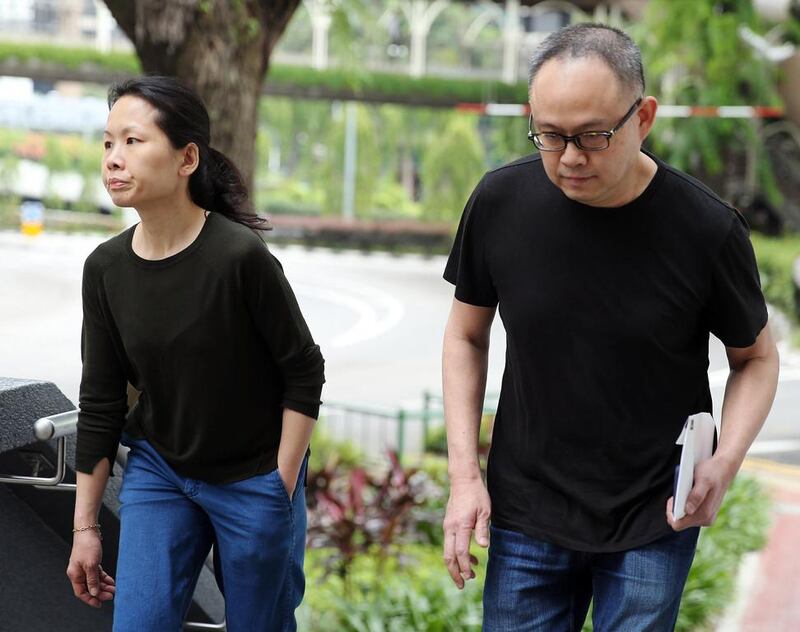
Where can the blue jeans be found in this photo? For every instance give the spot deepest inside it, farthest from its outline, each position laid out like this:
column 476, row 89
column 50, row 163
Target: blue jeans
column 168, row 525
column 534, row 585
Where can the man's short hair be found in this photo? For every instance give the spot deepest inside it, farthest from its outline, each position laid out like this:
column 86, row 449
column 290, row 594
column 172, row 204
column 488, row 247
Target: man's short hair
column 607, row 43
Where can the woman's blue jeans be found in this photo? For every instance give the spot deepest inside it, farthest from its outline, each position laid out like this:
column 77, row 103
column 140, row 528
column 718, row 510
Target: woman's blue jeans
column 168, row 524
column 533, row 585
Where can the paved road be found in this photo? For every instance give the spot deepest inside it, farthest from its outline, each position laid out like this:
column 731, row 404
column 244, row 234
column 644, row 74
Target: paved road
column 378, row 318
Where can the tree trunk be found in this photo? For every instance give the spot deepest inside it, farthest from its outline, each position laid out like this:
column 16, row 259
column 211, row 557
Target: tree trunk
column 221, row 48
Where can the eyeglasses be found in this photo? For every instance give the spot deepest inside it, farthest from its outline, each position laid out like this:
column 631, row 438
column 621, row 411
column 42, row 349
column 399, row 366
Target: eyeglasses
column 586, row 141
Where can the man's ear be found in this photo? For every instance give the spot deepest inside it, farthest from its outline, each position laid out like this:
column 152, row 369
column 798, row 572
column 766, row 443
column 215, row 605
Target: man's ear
column 646, row 116
column 190, row 159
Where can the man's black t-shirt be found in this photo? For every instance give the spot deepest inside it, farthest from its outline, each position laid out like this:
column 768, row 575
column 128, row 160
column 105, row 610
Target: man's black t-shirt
column 607, row 314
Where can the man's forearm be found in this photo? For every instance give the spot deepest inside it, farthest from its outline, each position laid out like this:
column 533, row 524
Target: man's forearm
column 749, row 394
column 464, row 368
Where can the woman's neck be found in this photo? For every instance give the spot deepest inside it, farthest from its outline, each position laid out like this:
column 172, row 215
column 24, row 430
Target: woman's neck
column 163, row 233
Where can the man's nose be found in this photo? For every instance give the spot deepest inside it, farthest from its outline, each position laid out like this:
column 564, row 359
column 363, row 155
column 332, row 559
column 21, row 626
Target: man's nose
column 572, row 155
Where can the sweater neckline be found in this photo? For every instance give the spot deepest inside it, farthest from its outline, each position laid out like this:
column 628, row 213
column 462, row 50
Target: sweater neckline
column 172, row 259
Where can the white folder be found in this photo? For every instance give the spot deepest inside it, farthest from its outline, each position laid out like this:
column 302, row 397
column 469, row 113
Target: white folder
column 697, row 439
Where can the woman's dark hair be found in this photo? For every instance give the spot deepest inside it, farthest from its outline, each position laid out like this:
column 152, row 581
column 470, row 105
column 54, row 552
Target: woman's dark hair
column 216, row 185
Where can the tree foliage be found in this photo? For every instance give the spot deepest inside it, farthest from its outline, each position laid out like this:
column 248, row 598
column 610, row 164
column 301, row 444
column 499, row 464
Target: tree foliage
column 694, row 56
column 451, row 168
column 368, row 161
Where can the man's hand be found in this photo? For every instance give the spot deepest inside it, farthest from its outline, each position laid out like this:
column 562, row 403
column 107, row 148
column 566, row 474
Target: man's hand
column 711, row 480
column 90, row 583
column 468, row 509
column 748, row 397
column 465, row 361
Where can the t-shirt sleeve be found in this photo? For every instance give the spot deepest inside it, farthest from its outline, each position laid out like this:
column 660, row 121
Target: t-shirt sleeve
column 281, row 325
column 466, row 267
column 103, row 397
column 736, row 309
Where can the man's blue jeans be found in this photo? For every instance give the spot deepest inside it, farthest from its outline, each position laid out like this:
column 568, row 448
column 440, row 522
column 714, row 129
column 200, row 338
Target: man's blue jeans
column 168, row 524
column 533, row 585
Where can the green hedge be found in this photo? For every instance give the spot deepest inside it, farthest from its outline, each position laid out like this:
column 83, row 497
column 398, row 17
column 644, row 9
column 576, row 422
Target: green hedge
column 399, row 85
column 358, row 82
column 72, row 58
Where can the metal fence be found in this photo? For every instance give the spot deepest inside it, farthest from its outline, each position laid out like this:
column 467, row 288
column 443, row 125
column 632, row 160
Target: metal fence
column 403, row 430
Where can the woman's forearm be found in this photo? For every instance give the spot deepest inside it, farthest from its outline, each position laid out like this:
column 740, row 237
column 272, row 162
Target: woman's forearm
column 89, row 495
column 295, row 437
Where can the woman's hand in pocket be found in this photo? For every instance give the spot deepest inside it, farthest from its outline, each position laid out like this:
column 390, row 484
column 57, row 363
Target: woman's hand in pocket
column 295, row 437
column 288, row 473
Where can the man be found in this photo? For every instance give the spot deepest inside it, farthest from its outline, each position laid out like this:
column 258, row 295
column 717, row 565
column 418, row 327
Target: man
column 610, row 269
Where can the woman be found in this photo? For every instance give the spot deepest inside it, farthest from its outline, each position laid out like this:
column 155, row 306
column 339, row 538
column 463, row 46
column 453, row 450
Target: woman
column 191, row 308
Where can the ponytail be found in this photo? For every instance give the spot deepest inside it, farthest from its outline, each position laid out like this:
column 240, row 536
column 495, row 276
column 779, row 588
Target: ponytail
column 217, row 185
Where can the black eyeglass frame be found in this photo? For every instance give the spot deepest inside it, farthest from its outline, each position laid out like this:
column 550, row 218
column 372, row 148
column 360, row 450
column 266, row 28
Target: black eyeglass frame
column 533, row 137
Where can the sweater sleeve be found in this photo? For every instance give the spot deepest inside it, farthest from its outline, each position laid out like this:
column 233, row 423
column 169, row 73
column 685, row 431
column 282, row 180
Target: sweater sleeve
column 103, row 390
column 281, row 325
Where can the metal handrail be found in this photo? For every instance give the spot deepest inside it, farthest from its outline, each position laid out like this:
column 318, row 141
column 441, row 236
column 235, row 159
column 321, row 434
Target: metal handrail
column 56, row 426
column 53, row 427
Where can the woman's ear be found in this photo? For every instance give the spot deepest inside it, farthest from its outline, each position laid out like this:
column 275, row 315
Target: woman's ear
column 190, row 159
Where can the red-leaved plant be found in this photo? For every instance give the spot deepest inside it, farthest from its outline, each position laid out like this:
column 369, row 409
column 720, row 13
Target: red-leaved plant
column 355, row 511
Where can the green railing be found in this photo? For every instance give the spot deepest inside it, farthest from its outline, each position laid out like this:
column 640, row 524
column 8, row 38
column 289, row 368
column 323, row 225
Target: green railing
column 376, row 429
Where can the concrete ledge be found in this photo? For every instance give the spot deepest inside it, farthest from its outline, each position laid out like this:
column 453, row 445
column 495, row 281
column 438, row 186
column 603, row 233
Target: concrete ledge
column 22, row 402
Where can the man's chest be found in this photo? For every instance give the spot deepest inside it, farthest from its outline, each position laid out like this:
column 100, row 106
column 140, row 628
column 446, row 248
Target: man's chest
column 559, row 280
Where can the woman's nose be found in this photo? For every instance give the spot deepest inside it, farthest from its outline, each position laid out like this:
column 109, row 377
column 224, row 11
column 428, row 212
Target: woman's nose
column 113, row 159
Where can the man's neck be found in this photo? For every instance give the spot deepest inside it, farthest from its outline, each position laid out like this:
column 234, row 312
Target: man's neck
column 646, row 169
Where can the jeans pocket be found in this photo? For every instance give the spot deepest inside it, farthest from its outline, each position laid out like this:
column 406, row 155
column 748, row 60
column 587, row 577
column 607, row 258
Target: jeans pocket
column 299, row 482
column 275, row 478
